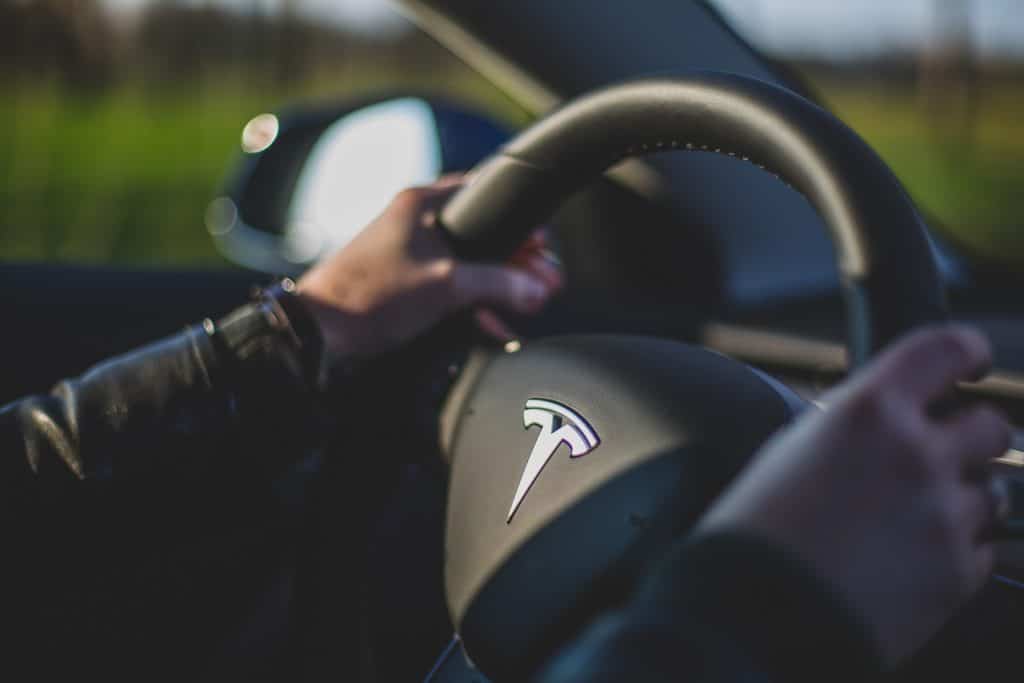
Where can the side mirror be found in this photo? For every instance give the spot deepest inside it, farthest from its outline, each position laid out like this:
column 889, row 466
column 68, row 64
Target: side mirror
column 310, row 179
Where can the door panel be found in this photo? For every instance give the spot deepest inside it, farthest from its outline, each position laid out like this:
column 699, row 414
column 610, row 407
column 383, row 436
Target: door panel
column 58, row 319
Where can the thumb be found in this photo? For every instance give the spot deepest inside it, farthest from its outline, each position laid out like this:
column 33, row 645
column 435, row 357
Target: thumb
column 501, row 286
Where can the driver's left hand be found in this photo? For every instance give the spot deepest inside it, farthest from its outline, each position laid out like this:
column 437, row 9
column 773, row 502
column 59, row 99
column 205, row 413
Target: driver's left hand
column 398, row 277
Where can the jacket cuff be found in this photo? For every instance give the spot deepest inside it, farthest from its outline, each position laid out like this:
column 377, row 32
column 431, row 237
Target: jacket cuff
column 269, row 368
column 277, row 323
column 765, row 600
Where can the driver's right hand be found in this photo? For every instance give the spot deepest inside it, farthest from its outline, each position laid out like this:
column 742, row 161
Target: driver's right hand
column 885, row 499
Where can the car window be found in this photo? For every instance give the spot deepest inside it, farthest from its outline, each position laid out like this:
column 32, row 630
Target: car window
column 936, row 86
column 120, row 118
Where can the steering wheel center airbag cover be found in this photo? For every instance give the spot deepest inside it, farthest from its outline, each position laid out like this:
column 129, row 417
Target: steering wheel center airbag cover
column 536, row 547
column 618, row 430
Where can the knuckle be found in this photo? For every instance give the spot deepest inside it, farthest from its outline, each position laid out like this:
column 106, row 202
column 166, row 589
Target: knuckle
column 877, row 416
column 994, row 424
column 963, row 347
column 877, row 410
column 409, row 200
column 949, row 349
column 981, row 433
column 443, row 274
column 359, row 304
column 911, row 456
column 949, row 344
column 897, row 431
column 867, row 407
column 910, row 345
column 443, row 271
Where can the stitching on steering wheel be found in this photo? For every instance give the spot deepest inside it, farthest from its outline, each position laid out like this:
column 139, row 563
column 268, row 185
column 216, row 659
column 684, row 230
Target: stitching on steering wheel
column 678, row 145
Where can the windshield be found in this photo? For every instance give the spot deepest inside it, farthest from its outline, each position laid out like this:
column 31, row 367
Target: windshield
column 936, row 87
column 121, row 118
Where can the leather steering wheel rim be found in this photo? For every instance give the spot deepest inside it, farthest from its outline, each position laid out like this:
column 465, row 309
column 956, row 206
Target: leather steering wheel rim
column 890, row 281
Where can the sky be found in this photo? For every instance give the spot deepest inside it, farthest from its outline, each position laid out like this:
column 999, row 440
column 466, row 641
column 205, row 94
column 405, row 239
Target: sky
column 831, row 28
column 368, row 15
column 857, row 27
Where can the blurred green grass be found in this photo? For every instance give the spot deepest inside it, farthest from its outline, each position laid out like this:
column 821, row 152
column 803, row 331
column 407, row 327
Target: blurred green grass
column 965, row 170
column 121, row 178
column 125, row 176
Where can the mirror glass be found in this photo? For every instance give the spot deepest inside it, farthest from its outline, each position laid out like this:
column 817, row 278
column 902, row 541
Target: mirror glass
column 356, row 166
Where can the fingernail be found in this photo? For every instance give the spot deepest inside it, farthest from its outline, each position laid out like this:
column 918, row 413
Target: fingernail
column 551, row 257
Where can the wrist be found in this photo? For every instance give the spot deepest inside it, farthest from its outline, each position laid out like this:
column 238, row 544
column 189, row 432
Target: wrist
column 276, row 319
column 265, row 369
column 337, row 328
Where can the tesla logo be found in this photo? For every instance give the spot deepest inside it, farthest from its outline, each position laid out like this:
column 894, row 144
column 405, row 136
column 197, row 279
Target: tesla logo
column 558, row 424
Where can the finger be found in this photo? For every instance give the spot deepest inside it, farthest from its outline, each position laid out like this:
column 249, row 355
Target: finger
column 974, row 437
column 493, row 326
column 543, row 269
column 984, row 561
column 976, row 510
column 442, row 189
column 434, row 196
column 448, row 180
column 422, row 203
column 927, row 364
column 977, row 513
column 537, row 241
column 502, row 286
column 535, row 245
column 999, row 490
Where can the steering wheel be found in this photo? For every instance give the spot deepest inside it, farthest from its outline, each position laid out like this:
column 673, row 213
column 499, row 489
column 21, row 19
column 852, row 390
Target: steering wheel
column 547, row 527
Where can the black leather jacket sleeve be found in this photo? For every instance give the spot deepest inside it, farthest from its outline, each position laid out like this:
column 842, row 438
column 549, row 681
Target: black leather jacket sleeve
column 121, row 486
column 178, row 407
column 725, row 608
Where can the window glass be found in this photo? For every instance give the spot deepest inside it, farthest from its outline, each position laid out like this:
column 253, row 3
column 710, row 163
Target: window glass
column 120, row 118
column 936, row 86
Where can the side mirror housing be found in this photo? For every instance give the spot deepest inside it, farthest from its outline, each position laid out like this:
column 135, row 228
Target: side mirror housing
column 310, row 179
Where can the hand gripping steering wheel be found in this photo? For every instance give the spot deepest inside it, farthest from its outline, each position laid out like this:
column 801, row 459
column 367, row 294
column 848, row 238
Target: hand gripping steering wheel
column 575, row 460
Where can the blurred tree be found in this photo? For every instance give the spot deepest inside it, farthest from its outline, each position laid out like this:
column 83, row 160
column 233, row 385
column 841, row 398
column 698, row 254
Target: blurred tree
column 295, row 44
column 71, row 40
column 949, row 76
column 177, row 44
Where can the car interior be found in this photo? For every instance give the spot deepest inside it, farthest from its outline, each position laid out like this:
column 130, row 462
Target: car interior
column 661, row 245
